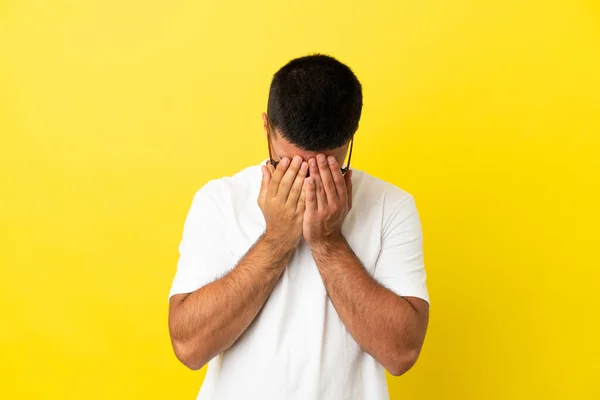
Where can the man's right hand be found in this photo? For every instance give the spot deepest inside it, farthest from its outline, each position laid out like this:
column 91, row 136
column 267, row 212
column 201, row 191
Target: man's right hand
column 209, row 320
column 281, row 200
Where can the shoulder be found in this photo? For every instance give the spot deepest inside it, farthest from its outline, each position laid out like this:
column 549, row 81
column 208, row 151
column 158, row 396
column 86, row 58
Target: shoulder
column 385, row 203
column 374, row 191
column 223, row 190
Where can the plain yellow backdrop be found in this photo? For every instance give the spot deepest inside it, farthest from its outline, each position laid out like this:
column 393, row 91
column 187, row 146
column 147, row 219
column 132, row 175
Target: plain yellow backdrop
column 113, row 113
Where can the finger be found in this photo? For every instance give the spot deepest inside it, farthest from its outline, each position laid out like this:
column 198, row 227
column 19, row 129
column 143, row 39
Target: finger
column 277, row 176
column 297, row 185
column 338, row 179
column 312, row 167
column 288, row 179
column 316, row 179
column 264, row 184
column 348, row 179
column 301, row 205
column 327, row 179
column 311, row 195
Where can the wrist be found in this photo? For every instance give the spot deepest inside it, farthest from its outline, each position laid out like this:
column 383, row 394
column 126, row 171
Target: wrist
column 278, row 244
column 326, row 245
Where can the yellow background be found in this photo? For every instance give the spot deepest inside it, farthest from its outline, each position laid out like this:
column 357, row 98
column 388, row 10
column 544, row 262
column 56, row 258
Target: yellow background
column 113, row 113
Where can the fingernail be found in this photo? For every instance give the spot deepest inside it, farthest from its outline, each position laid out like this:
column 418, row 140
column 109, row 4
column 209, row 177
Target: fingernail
column 304, row 167
column 285, row 161
column 321, row 158
column 312, row 162
column 297, row 160
column 331, row 159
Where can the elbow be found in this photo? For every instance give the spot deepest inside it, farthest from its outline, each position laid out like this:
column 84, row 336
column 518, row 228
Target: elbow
column 189, row 355
column 402, row 362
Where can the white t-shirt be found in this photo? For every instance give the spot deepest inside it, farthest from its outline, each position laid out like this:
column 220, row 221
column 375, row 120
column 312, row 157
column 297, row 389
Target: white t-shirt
column 298, row 348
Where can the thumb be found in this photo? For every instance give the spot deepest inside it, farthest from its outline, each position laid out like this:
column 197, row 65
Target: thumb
column 266, row 178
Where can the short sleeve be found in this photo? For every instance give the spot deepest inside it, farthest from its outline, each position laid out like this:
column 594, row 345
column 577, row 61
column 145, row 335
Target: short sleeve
column 400, row 266
column 202, row 250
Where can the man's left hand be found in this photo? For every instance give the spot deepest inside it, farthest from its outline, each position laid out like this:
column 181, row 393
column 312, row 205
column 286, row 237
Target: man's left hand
column 328, row 201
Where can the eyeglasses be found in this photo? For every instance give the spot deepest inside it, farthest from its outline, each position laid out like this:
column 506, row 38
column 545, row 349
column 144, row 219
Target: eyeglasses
column 275, row 163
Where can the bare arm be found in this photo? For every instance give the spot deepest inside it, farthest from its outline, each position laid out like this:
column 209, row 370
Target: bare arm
column 389, row 327
column 208, row 321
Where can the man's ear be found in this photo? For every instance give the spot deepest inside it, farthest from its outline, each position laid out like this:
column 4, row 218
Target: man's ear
column 265, row 124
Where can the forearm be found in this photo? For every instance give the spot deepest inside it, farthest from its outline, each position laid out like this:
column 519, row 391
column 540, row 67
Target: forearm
column 384, row 324
column 209, row 320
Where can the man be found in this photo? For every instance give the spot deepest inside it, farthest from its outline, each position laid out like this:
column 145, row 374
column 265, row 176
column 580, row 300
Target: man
column 307, row 282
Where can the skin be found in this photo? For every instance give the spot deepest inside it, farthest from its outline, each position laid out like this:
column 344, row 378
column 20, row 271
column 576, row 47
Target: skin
column 389, row 327
column 206, row 322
